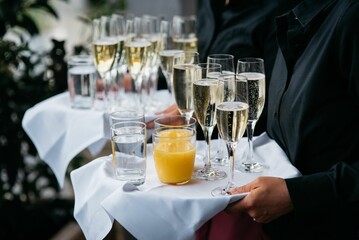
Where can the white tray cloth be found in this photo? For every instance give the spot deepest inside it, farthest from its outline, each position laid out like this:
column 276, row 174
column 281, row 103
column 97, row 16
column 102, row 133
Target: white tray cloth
column 60, row 132
column 160, row 211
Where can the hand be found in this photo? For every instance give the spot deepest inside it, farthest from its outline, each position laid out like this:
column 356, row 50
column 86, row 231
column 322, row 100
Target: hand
column 171, row 111
column 267, row 200
column 127, row 82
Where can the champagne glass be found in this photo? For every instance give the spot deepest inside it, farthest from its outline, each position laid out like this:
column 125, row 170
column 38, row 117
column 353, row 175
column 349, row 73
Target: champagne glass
column 104, row 52
column 253, row 69
column 166, row 54
column 206, row 93
column 117, row 29
column 150, row 31
column 232, row 117
column 166, row 64
column 184, row 74
column 165, row 34
column 227, row 63
column 184, row 33
column 137, row 52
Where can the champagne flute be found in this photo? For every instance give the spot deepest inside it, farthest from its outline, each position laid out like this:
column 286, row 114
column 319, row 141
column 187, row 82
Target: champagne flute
column 184, row 33
column 166, row 64
column 104, row 52
column 137, row 52
column 165, row 34
column 206, row 93
column 150, row 31
column 184, row 74
column 117, row 29
column 227, row 63
column 232, row 117
column 253, row 69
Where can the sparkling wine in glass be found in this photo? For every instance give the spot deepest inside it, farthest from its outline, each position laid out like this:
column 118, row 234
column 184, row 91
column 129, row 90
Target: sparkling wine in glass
column 137, row 53
column 184, row 33
column 117, row 28
column 232, row 116
column 253, row 69
column 219, row 156
column 166, row 64
column 184, row 74
column 206, row 94
column 104, row 50
column 150, row 30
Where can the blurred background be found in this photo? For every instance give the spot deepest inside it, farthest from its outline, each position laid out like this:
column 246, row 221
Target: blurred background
column 36, row 37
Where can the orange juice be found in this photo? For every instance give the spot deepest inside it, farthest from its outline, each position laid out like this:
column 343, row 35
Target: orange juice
column 174, row 154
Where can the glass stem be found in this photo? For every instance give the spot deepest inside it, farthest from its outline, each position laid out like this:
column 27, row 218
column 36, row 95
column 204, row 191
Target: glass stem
column 231, row 150
column 207, row 135
column 138, row 89
column 188, row 116
column 169, row 82
column 250, row 131
column 106, row 86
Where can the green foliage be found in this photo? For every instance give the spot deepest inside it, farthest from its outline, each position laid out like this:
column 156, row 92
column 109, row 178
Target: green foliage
column 27, row 77
column 15, row 13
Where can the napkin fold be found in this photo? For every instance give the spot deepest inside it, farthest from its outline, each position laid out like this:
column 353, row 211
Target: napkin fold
column 89, row 192
column 162, row 216
column 60, row 132
column 165, row 212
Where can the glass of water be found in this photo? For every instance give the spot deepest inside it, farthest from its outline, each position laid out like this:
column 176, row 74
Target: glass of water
column 129, row 151
column 81, row 81
column 137, row 115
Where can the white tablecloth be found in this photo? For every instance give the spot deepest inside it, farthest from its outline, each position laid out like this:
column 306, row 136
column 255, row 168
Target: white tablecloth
column 60, row 132
column 161, row 211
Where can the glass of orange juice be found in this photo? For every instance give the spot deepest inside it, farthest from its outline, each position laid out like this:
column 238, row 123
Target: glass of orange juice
column 174, row 153
column 175, row 121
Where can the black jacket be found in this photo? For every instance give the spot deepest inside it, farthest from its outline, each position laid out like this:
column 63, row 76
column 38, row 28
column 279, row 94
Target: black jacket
column 243, row 28
column 313, row 114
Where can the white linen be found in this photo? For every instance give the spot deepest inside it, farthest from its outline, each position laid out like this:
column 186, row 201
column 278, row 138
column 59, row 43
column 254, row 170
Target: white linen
column 161, row 211
column 60, row 132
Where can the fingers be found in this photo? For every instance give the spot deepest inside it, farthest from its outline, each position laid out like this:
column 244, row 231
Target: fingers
column 242, row 189
column 267, row 200
column 150, row 124
column 235, row 207
column 244, row 205
column 171, row 110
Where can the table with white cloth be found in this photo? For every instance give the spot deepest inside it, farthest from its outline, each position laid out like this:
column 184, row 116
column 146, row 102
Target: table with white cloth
column 160, row 211
column 60, row 132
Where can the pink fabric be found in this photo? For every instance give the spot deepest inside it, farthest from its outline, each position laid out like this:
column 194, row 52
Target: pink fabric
column 231, row 226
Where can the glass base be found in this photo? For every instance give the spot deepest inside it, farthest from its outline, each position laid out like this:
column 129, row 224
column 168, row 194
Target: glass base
column 209, row 174
column 252, row 167
column 223, row 190
column 219, row 161
column 220, row 191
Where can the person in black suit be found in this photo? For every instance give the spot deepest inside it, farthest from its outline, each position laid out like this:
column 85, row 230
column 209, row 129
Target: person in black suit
column 313, row 114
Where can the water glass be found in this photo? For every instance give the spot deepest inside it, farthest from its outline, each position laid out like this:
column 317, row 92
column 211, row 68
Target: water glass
column 81, row 81
column 129, row 151
column 127, row 116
